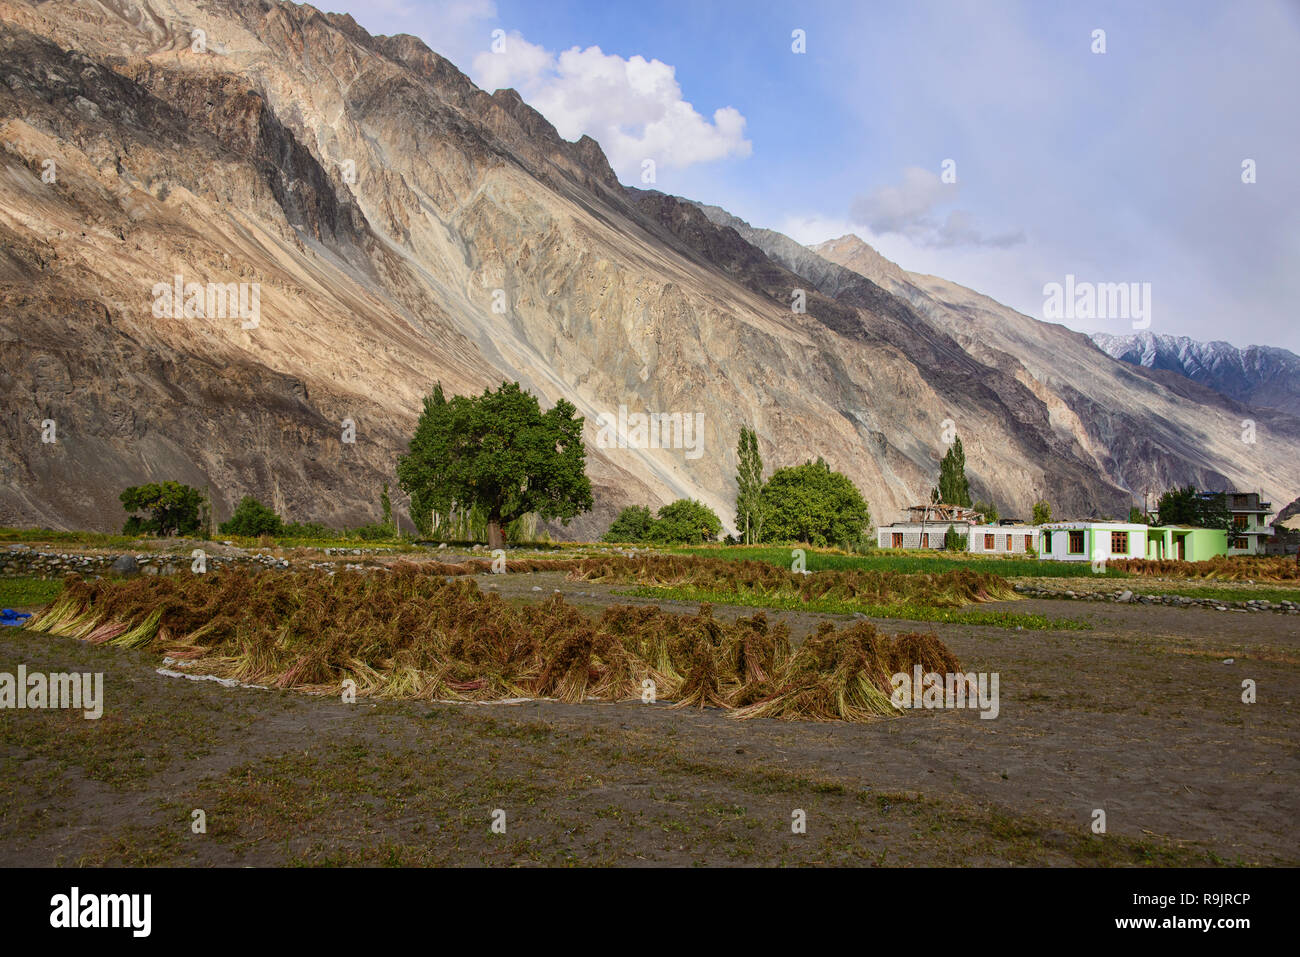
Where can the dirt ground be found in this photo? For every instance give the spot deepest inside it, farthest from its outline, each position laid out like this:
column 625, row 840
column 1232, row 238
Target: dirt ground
column 1139, row 717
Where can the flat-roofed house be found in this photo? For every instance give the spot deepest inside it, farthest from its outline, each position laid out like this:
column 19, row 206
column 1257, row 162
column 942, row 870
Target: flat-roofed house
column 1185, row 543
column 1091, row 541
column 927, row 526
column 1002, row 539
column 1250, row 528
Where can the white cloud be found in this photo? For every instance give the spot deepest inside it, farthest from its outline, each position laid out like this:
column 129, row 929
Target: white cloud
column 633, row 107
column 909, row 209
column 811, row 229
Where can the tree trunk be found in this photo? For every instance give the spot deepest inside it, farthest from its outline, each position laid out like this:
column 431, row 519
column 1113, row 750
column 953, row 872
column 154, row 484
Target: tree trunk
column 495, row 538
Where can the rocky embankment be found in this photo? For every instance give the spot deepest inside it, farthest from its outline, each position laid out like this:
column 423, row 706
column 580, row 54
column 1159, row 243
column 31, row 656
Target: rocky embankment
column 1127, row 596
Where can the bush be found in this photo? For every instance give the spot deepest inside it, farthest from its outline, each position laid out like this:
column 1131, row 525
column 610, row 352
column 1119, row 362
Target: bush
column 632, row 525
column 252, row 518
column 685, row 522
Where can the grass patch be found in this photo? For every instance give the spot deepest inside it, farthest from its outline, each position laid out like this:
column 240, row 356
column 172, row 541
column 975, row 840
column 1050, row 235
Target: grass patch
column 26, row 592
column 88, row 539
column 831, row 606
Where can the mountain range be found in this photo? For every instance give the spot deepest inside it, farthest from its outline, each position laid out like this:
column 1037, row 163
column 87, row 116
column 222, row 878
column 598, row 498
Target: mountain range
column 1263, row 376
column 399, row 227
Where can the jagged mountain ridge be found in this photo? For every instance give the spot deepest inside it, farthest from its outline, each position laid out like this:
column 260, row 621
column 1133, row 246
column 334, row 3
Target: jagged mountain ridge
column 228, row 165
column 1262, row 376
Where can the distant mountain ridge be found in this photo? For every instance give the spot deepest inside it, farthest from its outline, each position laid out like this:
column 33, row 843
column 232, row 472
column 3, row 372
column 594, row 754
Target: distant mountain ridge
column 1263, row 376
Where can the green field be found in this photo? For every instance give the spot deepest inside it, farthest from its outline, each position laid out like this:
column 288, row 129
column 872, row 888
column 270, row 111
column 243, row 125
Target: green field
column 831, row 606
column 26, row 592
column 908, row 561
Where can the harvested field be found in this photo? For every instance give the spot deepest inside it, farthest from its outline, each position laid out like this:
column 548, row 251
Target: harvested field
column 412, row 634
column 1239, row 568
column 949, row 589
column 1139, row 716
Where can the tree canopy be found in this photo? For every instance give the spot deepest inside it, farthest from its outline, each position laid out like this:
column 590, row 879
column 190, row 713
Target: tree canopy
column 811, row 503
column 953, row 489
column 632, row 525
column 685, row 522
column 1187, row 506
column 252, row 518
column 749, row 487
column 498, row 451
column 173, row 509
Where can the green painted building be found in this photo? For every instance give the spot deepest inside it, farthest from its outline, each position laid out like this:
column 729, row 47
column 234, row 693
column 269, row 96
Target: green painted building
column 1184, row 543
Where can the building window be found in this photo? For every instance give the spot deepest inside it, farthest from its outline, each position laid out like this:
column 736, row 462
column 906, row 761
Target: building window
column 1241, row 521
column 988, row 543
column 1119, row 543
column 925, row 539
column 1076, row 542
column 1029, row 542
column 1047, row 542
column 1241, row 542
column 898, row 539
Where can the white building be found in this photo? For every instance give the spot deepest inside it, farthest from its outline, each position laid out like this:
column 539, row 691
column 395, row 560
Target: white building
column 1250, row 528
column 1091, row 541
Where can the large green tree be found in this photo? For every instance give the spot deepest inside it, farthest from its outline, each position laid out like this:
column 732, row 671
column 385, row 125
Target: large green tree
column 498, row 451
column 749, row 487
column 172, row 508
column 1187, row 506
column 953, row 488
column 811, row 503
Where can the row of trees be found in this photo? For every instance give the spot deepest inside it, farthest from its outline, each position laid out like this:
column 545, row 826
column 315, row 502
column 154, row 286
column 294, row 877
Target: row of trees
column 498, row 463
column 800, row 503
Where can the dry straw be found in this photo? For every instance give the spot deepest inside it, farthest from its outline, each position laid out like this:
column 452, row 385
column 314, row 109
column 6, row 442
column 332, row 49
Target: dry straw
column 421, row 635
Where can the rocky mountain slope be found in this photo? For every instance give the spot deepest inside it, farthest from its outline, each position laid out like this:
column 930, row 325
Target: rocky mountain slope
column 404, row 227
column 1147, row 428
column 1262, row 376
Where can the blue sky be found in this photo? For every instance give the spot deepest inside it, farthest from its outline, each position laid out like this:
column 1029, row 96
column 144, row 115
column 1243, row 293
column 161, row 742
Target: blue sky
column 1122, row 166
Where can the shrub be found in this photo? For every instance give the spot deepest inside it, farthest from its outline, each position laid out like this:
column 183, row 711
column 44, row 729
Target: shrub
column 685, row 522
column 632, row 525
column 253, row 519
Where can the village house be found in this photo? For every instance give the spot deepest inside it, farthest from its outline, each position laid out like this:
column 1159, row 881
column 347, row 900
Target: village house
column 1091, row 541
column 927, row 526
column 1250, row 528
